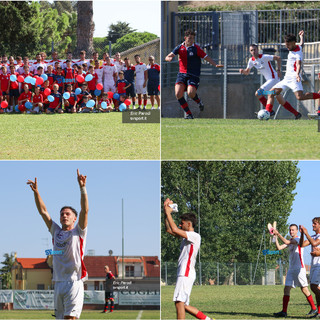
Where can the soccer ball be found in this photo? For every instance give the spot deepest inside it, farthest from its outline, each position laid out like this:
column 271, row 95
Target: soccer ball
column 263, row 114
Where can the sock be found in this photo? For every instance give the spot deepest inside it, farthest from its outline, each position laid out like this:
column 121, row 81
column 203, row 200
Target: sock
column 184, row 105
column 285, row 303
column 288, row 106
column 145, row 102
column 139, row 102
column 318, row 309
column 316, row 95
column 112, row 305
column 133, row 103
column 106, row 306
column 263, row 100
column 201, row 316
column 269, row 107
column 196, row 98
column 310, row 300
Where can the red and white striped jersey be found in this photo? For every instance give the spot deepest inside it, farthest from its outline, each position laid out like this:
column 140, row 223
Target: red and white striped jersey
column 188, row 253
column 68, row 247
column 263, row 64
column 140, row 69
column 295, row 255
column 293, row 56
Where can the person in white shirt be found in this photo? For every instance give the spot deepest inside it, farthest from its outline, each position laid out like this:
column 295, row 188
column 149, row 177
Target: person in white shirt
column 296, row 275
column 141, row 81
column 186, row 264
column 292, row 78
column 314, row 241
column 109, row 76
column 69, row 242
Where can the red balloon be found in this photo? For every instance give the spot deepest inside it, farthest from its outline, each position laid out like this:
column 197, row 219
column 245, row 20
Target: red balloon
column 20, row 78
column 127, row 102
column 14, row 85
column 4, row 104
column 39, row 81
column 110, row 95
column 99, row 86
column 36, row 76
column 80, row 78
column 47, row 91
column 22, row 108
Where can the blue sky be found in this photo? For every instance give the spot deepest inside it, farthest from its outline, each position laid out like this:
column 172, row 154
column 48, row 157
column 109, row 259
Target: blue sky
column 141, row 15
column 137, row 182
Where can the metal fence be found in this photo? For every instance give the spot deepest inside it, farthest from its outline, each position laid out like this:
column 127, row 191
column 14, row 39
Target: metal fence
column 215, row 273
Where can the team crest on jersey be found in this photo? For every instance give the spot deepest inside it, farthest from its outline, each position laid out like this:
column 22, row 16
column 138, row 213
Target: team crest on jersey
column 191, row 53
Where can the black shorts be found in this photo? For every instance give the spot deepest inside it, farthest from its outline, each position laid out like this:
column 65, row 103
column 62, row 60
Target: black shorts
column 188, row 80
column 108, row 295
column 131, row 91
column 14, row 93
column 153, row 88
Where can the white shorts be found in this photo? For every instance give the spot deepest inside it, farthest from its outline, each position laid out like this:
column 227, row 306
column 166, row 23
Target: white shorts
column 269, row 84
column 140, row 89
column 315, row 275
column 109, row 86
column 36, row 109
column 296, row 278
column 289, row 83
column 183, row 289
column 68, row 298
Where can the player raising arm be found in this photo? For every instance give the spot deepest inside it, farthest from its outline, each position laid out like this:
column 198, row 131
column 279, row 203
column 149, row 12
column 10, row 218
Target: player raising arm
column 296, row 275
column 186, row 272
column 68, row 250
column 188, row 78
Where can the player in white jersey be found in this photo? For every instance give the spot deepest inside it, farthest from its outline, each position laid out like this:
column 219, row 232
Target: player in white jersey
column 141, row 81
column 186, row 272
column 292, row 79
column 118, row 62
column 109, row 76
column 296, row 275
column 69, row 242
column 314, row 241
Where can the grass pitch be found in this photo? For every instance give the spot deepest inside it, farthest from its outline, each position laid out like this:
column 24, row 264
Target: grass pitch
column 238, row 302
column 237, row 139
column 100, row 136
column 117, row 314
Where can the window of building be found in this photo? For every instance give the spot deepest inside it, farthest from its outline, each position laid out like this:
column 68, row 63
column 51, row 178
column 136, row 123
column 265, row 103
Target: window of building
column 40, row 286
column 129, row 271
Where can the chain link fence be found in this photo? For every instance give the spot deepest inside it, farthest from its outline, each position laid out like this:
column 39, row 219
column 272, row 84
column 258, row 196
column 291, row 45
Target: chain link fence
column 216, row 273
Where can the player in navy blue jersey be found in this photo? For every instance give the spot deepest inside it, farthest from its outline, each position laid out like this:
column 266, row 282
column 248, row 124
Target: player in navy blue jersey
column 108, row 290
column 190, row 55
column 129, row 70
column 153, row 81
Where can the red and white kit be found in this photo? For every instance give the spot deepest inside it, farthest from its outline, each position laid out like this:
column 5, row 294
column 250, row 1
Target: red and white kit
column 140, row 69
column 108, row 77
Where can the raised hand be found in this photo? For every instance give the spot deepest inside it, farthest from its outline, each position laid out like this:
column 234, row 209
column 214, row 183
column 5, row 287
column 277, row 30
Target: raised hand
column 33, row 185
column 81, row 179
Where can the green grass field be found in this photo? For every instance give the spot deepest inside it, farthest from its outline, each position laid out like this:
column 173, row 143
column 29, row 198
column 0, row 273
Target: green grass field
column 237, row 302
column 77, row 136
column 209, row 139
column 117, row 314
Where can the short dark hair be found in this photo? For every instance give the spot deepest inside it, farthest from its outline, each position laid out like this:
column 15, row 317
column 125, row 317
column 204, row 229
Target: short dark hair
column 189, row 217
column 290, row 38
column 253, row 45
column 189, row 32
column 317, row 219
column 293, row 225
column 72, row 209
column 137, row 55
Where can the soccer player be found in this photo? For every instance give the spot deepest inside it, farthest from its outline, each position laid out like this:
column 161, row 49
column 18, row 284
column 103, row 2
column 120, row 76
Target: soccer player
column 83, row 59
column 37, row 100
column 292, row 77
column 141, row 81
column 190, row 55
column 186, row 272
column 296, row 275
column 153, row 81
column 109, row 76
column 314, row 241
column 55, row 59
column 37, row 63
column 129, row 71
column 55, row 105
column 118, row 62
column 69, row 270
column 108, row 290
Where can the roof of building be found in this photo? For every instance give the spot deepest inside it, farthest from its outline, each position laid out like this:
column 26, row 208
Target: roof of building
column 33, row 263
column 151, row 266
column 95, row 265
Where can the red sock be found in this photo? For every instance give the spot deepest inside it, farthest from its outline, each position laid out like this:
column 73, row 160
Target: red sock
column 316, row 95
column 289, row 107
column 285, row 302
column 184, row 105
column 145, row 102
column 200, row 315
column 263, row 100
column 139, row 102
column 269, row 107
column 318, row 309
column 310, row 300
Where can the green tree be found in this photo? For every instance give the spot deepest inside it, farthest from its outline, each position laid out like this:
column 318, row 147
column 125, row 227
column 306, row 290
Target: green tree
column 237, row 200
column 118, row 30
column 132, row 40
column 5, row 271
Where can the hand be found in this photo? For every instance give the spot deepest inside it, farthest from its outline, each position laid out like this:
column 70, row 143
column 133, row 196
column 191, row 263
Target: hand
column 81, row 179
column 298, row 78
column 167, row 209
column 219, row 66
column 168, row 58
column 241, row 70
column 275, row 232
column 315, row 252
column 302, row 229
column 279, row 73
column 33, row 185
column 301, row 33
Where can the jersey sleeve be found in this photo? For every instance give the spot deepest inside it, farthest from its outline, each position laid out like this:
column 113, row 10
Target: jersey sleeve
column 268, row 57
column 201, row 53
column 83, row 232
column 54, row 228
column 250, row 64
column 192, row 236
column 175, row 51
column 299, row 55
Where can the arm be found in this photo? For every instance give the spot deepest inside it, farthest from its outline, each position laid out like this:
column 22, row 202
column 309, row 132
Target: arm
column 244, row 71
column 310, row 240
column 298, row 70
column 174, row 229
column 169, row 57
column 283, row 239
column 280, row 247
column 278, row 59
column 208, row 59
column 301, row 35
column 40, row 204
column 83, row 217
column 145, row 78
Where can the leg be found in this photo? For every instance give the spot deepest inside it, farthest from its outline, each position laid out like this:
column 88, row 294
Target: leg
column 196, row 313
column 69, row 317
column 158, row 100
column 306, row 96
column 192, row 91
column 180, row 309
column 145, row 100
column 152, row 101
column 179, row 90
column 270, row 101
column 288, row 106
column 261, row 98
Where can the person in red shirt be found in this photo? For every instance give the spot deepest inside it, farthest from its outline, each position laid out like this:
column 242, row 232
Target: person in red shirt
column 59, row 79
column 105, row 99
column 37, row 100
column 26, row 74
column 25, row 96
column 69, row 74
column 55, row 105
column 4, row 83
column 92, row 83
column 70, row 105
column 50, row 75
column 13, row 89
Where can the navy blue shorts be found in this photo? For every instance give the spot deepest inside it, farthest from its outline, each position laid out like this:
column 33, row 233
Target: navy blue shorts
column 153, row 88
column 4, row 93
column 188, row 80
column 14, row 93
column 131, row 91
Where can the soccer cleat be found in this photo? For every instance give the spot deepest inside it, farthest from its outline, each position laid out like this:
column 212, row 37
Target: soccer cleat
column 280, row 314
column 201, row 106
column 298, row 116
column 189, row 116
column 312, row 312
column 272, row 113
